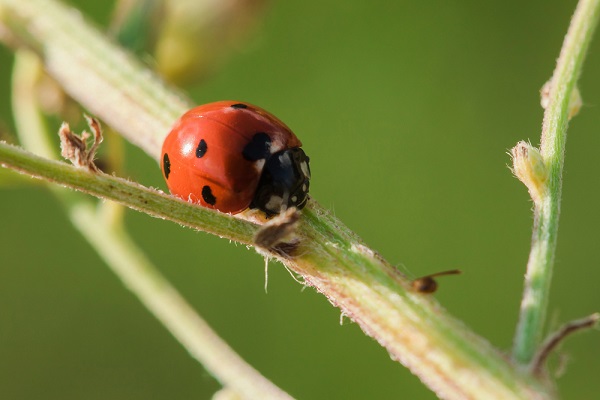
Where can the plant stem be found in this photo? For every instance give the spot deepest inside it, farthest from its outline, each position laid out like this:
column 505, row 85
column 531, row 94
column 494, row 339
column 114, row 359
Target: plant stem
column 130, row 194
column 101, row 225
column 555, row 339
column 137, row 273
column 108, row 81
column 547, row 210
column 447, row 356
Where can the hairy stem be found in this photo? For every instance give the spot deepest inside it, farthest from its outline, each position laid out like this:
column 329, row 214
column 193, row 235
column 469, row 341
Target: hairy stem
column 107, row 80
column 137, row 273
column 413, row 327
column 547, row 208
column 101, row 225
column 130, row 194
column 449, row 358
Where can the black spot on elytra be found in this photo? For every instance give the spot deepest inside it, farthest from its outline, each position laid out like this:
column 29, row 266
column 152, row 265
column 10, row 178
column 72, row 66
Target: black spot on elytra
column 208, row 196
column 201, row 149
column 166, row 165
column 239, row 105
column 258, row 148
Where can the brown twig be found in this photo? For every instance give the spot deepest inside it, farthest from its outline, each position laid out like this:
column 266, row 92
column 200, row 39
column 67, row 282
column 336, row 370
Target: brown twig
column 75, row 147
column 558, row 337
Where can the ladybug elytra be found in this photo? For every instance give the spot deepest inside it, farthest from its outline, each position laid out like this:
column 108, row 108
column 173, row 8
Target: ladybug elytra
column 231, row 156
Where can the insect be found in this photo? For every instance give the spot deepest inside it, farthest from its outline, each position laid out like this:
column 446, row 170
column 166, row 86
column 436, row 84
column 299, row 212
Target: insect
column 427, row 284
column 231, row 156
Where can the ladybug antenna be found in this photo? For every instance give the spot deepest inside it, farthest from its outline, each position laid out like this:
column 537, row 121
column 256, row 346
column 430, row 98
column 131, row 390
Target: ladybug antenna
column 427, row 284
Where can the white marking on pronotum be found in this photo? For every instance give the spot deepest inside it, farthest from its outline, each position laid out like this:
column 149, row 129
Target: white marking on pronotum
column 304, row 168
column 284, row 201
column 274, row 203
column 259, row 165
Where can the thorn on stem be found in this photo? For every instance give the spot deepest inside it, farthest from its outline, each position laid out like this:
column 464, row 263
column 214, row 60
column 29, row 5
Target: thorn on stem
column 558, row 337
column 427, row 284
column 75, row 147
column 529, row 167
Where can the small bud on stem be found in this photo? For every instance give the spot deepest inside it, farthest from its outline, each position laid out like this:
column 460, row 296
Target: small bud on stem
column 575, row 102
column 530, row 168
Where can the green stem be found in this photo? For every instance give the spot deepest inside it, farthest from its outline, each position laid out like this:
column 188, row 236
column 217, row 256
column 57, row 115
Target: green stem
column 547, row 210
column 102, row 226
column 447, row 356
column 130, row 194
column 137, row 273
column 107, row 80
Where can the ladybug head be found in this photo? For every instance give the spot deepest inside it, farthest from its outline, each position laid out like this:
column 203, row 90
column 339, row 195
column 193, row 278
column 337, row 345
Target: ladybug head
column 284, row 182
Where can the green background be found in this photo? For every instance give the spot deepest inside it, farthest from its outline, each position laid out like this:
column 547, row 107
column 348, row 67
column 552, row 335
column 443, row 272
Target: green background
column 407, row 110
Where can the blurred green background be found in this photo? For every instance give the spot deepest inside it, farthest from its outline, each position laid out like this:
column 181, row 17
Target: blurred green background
column 407, row 110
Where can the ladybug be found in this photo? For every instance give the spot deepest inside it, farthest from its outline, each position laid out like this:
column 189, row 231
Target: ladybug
column 231, row 156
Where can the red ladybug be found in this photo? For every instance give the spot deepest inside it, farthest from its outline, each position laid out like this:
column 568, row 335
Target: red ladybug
column 231, row 156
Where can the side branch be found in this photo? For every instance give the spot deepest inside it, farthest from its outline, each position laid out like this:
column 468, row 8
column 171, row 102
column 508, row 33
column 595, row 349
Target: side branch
column 412, row 326
column 561, row 102
column 448, row 357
